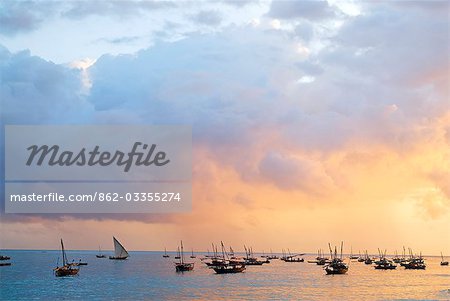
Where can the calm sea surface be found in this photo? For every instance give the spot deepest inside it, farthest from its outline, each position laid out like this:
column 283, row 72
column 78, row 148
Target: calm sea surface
column 148, row 276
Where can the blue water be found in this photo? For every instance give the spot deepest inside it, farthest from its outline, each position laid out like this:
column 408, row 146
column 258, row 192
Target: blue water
column 148, row 276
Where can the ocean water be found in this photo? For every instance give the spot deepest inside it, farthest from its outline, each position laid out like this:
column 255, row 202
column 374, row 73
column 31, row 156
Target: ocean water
column 148, row 276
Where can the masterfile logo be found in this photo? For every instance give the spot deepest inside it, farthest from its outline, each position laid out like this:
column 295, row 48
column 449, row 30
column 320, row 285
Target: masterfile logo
column 98, row 169
column 98, row 152
column 52, row 156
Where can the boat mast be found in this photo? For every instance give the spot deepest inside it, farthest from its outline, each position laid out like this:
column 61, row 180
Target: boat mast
column 182, row 254
column 223, row 250
column 64, row 258
column 331, row 250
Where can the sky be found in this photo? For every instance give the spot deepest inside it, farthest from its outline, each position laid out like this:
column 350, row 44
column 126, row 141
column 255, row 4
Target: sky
column 313, row 121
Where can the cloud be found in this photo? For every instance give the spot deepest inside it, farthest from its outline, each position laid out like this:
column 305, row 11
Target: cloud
column 432, row 204
column 23, row 16
column 289, row 172
column 207, row 17
column 377, row 91
column 310, row 10
column 35, row 91
column 82, row 9
column 305, row 31
column 120, row 40
column 239, row 3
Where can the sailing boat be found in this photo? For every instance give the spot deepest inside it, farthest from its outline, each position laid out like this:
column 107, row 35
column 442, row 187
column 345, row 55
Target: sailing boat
column 3, row 258
column 367, row 259
column 384, row 263
column 182, row 266
column 67, row 269
column 100, row 255
column 165, row 254
column 414, row 262
column 250, row 259
column 396, row 258
column 351, row 254
column 336, row 266
column 272, row 256
column 178, row 254
column 443, row 262
column 292, row 257
column 227, row 266
column 119, row 251
column 192, row 254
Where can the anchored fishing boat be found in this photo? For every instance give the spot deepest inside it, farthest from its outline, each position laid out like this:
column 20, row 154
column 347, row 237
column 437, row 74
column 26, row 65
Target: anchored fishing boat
column 165, row 254
column 119, row 251
column 336, row 266
column 351, row 254
column 178, row 253
column 100, row 254
column 414, row 262
column 443, row 262
column 227, row 265
column 272, row 256
column 182, row 266
column 288, row 257
column 321, row 259
column 383, row 263
column 367, row 259
column 229, row 268
column 67, row 269
column 214, row 259
column 396, row 258
column 250, row 259
column 81, row 263
column 192, row 254
column 361, row 258
column 4, row 258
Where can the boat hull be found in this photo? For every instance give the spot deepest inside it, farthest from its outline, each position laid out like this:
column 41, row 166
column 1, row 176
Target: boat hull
column 66, row 271
column 336, row 271
column 228, row 269
column 385, row 268
column 184, row 267
column 422, row 267
column 254, row 263
column 444, row 263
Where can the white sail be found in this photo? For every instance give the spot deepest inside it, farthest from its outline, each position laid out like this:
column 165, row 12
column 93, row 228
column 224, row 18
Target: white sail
column 119, row 250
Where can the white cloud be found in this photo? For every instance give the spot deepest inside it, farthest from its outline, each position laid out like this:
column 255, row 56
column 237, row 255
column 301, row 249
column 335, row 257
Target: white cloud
column 306, row 79
column 275, row 24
